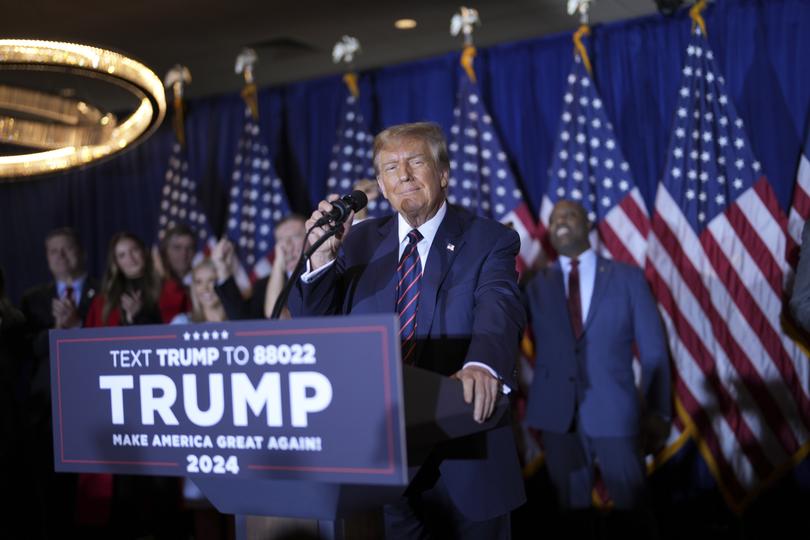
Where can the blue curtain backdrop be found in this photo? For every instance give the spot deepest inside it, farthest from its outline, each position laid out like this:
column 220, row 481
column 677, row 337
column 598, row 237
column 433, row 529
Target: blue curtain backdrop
column 637, row 64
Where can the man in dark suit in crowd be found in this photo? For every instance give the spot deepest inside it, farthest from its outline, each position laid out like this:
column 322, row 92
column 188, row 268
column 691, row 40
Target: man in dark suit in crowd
column 800, row 297
column 589, row 316
column 60, row 303
column 451, row 277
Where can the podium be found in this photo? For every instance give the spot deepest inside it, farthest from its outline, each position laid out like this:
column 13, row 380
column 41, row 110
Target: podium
column 320, row 419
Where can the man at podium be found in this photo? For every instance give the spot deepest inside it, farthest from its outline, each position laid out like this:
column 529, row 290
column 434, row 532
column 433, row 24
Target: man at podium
column 450, row 275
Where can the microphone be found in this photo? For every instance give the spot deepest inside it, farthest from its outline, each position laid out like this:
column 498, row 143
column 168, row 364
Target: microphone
column 341, row 208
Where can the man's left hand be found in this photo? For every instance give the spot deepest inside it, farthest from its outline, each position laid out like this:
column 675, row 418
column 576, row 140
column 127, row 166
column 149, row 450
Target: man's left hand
column 481, row 389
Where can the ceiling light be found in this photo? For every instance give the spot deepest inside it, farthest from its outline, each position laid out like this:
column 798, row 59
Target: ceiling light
column 71, row 132
column 405, row 24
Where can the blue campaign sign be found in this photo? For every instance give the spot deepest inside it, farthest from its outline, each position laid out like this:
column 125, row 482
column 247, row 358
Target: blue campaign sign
column 304, row 399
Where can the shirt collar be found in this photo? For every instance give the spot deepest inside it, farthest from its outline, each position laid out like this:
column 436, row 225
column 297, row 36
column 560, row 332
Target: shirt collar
column 587, row 257
column 77, row 285
column 428, row 229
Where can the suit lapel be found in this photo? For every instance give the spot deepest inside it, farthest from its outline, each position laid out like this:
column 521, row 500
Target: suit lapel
column 601, row 281
column 88, row 292
column 385, row 258
column 447, row 243
column 558, row 297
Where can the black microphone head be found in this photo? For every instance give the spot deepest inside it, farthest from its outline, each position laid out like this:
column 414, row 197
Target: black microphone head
column 358, row 200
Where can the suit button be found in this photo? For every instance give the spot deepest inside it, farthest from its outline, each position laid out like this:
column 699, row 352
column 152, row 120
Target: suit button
column 572, row 379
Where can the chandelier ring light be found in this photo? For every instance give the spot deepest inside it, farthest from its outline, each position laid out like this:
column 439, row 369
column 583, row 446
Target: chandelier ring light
column 71, row 132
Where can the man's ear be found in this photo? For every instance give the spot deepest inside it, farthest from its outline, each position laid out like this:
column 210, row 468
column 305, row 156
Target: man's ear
column 443, row 179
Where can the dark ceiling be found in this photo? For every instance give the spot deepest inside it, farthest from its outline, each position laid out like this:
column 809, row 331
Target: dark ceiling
column 293, row 39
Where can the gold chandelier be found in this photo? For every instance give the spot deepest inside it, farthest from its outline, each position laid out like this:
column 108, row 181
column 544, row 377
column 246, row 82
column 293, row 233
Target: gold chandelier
column 70, row 132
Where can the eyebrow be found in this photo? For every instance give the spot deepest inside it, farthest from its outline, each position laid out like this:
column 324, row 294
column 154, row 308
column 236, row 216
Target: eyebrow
column 408, row 157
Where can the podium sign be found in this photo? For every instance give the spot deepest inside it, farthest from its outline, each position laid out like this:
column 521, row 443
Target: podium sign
column 305, row 399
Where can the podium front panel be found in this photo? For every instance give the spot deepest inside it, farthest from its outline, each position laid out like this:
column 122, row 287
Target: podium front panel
column 306, row 399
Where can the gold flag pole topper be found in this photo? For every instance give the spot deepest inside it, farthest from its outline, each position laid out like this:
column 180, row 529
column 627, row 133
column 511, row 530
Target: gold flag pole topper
column 244, row 66
column 462, row 23
column 344, row 51
column 176, row 79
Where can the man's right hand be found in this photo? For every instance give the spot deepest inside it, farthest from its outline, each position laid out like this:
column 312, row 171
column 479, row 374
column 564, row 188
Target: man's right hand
column 327, row 252
column 223, row 258
column 65, row 314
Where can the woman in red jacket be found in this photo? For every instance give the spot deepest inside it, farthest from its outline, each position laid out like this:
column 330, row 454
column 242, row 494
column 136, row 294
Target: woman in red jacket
column 130, row 290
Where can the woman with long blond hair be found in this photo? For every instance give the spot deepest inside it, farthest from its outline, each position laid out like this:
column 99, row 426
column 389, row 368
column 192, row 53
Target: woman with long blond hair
column 205, row 304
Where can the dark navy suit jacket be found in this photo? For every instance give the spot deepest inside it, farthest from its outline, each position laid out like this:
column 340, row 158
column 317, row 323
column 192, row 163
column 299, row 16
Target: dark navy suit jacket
column 593, row 376
column 469, row 310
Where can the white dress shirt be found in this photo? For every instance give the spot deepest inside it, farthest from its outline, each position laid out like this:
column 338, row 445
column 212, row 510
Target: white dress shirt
column 77, row 284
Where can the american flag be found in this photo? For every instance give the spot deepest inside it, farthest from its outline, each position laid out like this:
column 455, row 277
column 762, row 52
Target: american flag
column 179, row 205
column 588, row 167
column 716, row 260
column 800, row 208
column 480, row 176
column 257, row 202
column 352, row 156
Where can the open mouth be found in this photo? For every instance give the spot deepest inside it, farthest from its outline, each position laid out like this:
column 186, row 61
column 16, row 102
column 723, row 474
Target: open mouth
column 562, row 230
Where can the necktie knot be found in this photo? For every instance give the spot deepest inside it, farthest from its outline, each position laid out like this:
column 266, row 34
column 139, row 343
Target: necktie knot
column 414, row 236
column 574, row 264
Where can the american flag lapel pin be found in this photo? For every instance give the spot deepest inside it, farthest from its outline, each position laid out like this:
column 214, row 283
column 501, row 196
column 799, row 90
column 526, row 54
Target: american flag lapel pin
column 450, row 247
